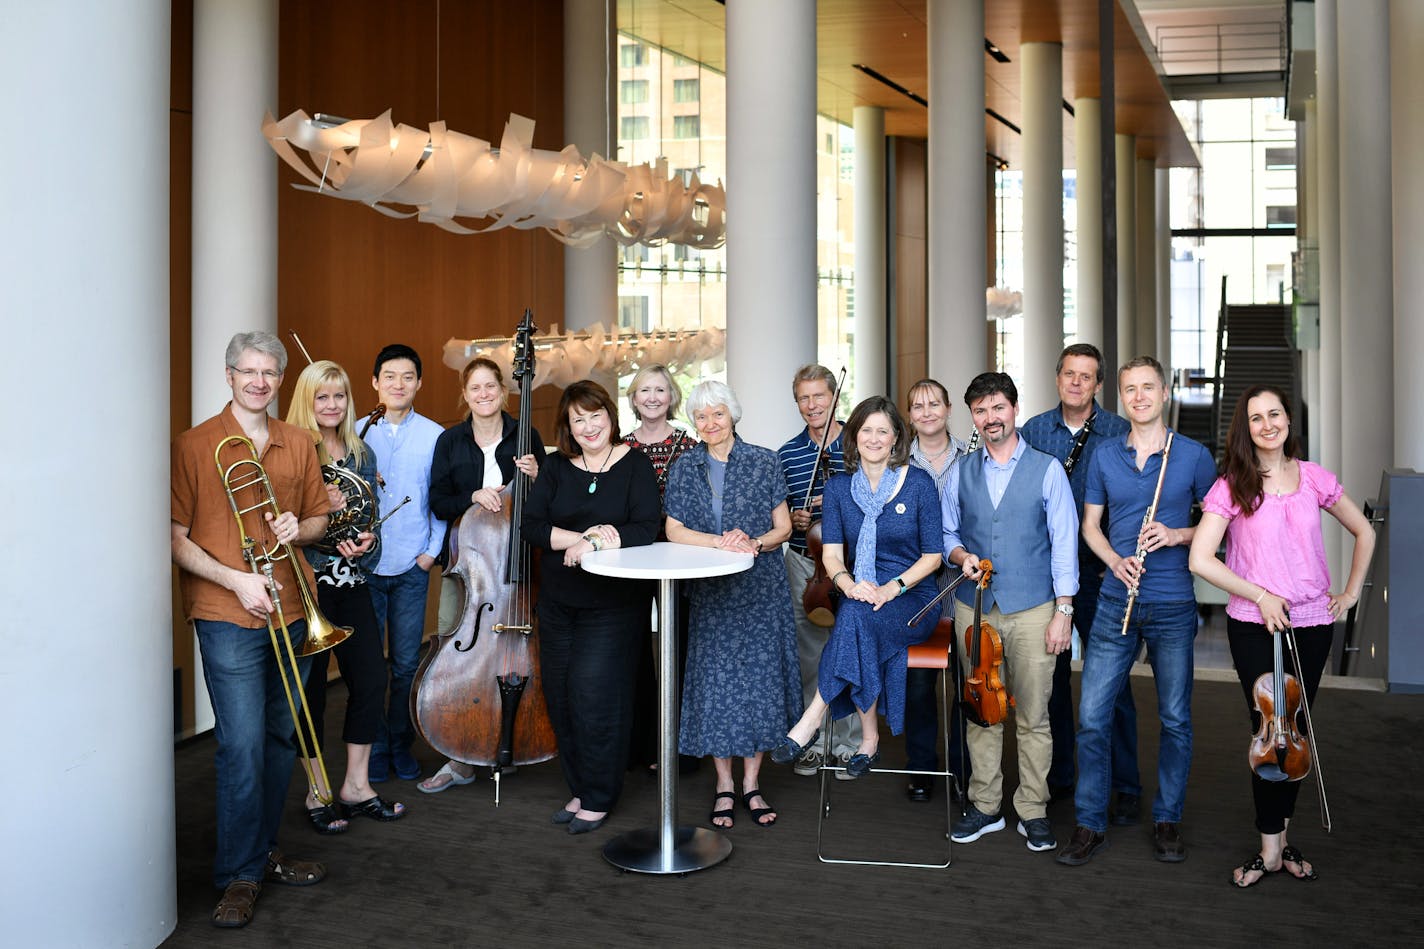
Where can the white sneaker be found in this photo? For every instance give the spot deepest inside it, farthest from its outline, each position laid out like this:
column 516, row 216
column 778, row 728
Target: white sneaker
column 809, row 763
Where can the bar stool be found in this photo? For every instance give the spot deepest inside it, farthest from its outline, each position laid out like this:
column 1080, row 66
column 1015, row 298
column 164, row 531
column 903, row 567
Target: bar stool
column 937, row 652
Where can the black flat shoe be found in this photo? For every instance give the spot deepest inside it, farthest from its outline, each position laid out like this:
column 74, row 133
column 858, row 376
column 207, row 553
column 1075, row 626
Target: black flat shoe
column 376, row 808
column 562, row 816
column 859, row 765
column 789, row 750
column 580, row 826
column 327, row 819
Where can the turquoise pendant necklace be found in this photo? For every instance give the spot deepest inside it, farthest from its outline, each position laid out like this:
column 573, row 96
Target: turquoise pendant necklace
column 594, row 485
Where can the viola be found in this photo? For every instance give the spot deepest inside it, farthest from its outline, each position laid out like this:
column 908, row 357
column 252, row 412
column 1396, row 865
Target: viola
column 1279, row 749
column 986, row 699
column 477, row 696
column 818, row 599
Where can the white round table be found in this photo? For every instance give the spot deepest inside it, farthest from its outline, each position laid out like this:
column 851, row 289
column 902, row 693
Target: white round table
column 667, row 848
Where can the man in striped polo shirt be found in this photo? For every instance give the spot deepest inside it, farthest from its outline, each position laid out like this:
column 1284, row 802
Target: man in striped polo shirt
column 814, row 389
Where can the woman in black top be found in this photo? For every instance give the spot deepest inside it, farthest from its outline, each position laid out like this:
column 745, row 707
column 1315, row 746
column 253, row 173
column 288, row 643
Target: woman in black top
column 594, row 493
column 473, row 461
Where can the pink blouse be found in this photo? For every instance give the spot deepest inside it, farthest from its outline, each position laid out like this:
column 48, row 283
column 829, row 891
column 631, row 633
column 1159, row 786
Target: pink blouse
column 1280, row 546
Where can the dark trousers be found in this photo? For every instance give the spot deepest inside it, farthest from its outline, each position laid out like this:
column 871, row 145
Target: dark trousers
column 588, row 657
column 643, row 741
column 922, row 721
column 1254, row 655
column 359, row 658
column 1061, row 774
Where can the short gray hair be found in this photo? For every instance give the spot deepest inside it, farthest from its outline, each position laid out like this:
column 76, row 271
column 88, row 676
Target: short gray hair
column 260, row 341
column 710, row 392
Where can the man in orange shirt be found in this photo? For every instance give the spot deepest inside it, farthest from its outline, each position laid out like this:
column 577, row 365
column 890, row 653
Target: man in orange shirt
column 229, row 605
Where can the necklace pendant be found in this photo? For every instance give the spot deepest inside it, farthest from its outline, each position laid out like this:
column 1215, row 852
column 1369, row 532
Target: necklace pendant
column 593, row 487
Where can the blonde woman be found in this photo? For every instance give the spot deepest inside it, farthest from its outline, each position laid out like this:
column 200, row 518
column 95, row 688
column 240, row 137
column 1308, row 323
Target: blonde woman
column 322, row 404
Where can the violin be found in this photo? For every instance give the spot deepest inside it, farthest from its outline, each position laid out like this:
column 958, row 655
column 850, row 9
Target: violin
column 477, row 696
column 818, row 599
column 1279, row 751
column 986, row 699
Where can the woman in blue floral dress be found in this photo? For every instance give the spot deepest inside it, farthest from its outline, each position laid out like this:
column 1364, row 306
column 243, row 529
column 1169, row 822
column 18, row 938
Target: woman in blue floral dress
column 742, row 688
column 882, row 538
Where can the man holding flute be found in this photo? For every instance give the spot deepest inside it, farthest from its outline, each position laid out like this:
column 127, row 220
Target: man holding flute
column 1148, row 481
column 230, row 604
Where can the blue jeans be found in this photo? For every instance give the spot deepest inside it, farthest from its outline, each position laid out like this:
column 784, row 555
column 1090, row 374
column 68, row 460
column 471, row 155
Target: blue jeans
column 399, row 602
column 255, row 751
column 1169, row 630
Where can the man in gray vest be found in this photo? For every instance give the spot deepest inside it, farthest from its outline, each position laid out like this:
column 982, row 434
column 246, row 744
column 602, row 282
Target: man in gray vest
column 1011, row 504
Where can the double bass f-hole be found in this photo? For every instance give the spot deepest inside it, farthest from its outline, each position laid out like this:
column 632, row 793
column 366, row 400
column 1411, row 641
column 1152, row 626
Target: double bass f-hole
column 480, row 611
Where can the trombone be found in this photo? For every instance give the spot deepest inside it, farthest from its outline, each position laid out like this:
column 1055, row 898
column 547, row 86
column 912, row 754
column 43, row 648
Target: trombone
column 321, row 633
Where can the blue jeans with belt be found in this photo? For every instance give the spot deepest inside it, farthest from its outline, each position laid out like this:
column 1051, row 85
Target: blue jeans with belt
column 253, row 726
column 1169, row 629
column 399, row 602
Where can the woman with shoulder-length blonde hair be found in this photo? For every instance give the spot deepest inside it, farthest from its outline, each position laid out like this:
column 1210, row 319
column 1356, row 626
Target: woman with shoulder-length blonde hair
column 1267, row 505
column 322, row 404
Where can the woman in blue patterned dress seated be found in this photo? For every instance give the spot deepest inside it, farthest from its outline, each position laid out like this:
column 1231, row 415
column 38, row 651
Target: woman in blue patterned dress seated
column 885, row 513
column 743, row 683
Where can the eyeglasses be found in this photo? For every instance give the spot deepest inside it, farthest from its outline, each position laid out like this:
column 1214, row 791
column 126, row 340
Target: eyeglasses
column 267, row 375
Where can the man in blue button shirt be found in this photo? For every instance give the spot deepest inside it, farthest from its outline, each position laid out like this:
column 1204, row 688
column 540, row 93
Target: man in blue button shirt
column 1123, row 478
column 1072, row 432
column 1011, row 504
column 404, row 443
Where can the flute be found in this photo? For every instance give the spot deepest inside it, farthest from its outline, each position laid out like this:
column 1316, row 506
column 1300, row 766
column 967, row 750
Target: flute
column 1147, row 518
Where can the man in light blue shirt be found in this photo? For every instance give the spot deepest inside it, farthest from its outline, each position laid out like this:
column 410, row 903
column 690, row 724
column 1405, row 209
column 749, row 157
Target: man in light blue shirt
column 404, row 443
column 1012, row 504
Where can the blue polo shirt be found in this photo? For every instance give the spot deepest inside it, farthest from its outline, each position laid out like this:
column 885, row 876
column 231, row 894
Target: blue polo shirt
column 1114, row 481
column 1047, row 433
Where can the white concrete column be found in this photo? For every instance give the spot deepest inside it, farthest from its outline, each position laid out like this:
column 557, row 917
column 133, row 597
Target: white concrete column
column 88, row 688
column 1327, row 208
column 234, row 206
column 234, row 184
column 1041, row 84
column 1144, row 316
column 1406, row 89
column 771, row 209
column 1366, row 254
column 1127, row 343
column 957, row 201
column 590, row 116
column 1087, row 117
column 1308, row 227
column 1163, row 258
column 871, row 281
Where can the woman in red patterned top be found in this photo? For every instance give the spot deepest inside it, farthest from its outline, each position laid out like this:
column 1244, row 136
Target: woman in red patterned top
column 655, row 399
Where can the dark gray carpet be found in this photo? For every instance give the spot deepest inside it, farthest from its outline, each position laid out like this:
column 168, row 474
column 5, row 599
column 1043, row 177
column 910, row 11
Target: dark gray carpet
column 457, row 871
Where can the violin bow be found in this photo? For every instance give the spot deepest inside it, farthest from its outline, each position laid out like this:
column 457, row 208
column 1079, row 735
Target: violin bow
column 1309, row 730
column 939, row 597
column 825, row 440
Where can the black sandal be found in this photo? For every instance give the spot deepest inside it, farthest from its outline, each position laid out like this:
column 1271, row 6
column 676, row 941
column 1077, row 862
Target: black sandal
column 1255, row 864
column 376, row 808
column 758, row 812
column 1292, row 855
column 727, row 812
column 327, row 819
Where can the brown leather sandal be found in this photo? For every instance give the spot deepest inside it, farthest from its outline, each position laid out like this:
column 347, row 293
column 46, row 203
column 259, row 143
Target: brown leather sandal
column 238, row 903
column 290, row 871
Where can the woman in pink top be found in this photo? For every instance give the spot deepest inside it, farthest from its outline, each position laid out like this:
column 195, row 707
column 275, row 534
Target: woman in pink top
column 1267, row 505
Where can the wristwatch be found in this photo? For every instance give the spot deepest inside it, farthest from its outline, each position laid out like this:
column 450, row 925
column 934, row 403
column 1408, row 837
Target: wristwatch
column 1065, row 608
column 902, row 586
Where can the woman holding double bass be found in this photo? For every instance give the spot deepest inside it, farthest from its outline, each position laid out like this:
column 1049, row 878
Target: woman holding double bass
column 1267, row 505
column 474, row 460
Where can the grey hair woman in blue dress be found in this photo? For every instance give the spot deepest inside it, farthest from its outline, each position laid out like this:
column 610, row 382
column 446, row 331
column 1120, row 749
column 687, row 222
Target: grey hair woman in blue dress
column 742, row 688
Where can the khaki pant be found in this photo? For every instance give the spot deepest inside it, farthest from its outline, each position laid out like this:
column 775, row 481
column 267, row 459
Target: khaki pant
column 1028, row 674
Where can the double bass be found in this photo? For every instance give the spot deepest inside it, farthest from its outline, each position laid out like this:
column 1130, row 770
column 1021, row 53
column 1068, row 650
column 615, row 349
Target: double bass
column 986, row 699
column 477, row 696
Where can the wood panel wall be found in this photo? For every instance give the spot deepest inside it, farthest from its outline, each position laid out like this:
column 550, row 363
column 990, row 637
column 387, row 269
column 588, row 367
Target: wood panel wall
column 907, row 256
column 351, row 280
column 180, row 308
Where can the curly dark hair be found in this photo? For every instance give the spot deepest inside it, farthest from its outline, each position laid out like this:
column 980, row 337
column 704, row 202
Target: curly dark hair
column 1243, row 469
